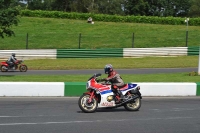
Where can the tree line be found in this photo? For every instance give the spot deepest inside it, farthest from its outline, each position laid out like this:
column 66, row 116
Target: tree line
column 175, row 8
column 10, row 9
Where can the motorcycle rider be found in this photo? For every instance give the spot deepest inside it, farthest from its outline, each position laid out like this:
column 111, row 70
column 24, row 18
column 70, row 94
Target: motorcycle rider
column 11, row 60
column 115, row 79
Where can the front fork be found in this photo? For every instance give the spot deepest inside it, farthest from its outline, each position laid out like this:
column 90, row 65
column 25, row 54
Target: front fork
column 92, row 95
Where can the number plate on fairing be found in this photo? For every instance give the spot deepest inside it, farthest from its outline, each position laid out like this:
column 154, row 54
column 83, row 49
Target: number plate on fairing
column 107, row 104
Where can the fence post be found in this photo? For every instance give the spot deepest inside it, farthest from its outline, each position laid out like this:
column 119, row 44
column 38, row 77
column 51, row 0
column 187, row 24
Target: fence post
column 27, row 41
column 187, row 20
column 79, row 45
column 133, row 41
column 186, row 38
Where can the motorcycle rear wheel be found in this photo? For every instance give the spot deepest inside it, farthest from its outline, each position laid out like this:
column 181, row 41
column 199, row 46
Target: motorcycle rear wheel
column 23, row 68
column 3, row 68
column 133, row 105
column 85, row 106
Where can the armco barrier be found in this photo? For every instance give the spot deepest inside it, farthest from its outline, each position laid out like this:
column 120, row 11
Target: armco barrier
column 29, row 54
column 89, row 53
column 193, row 50
column 99, row 53
column 78, row 88
column 162, row 51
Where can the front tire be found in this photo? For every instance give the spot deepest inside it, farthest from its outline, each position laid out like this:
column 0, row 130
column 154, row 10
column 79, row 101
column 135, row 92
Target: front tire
column 133, row 105
column 85, row 106
column 23, row 68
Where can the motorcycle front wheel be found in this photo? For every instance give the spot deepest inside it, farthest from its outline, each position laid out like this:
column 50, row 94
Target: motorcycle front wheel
column 85, row 106
column 133, row 105
column 4, row 68
column 23, row 68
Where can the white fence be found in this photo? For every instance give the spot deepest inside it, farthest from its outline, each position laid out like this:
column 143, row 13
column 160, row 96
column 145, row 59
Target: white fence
column 164, row 51
column 30, row 54
column 127, row 52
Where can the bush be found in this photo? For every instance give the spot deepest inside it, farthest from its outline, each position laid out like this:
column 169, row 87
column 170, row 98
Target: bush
column 193, row 73
column 111, row 18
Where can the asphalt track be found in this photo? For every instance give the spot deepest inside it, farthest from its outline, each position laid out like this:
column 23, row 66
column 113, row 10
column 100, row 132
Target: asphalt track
column 92, row 71
column 62, row 115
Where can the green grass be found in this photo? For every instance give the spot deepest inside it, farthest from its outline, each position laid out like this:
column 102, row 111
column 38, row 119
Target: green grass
column 51, row 33
column 172, row 77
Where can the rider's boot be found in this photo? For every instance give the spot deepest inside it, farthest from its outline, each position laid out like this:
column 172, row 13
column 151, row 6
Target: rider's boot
column 120, row 94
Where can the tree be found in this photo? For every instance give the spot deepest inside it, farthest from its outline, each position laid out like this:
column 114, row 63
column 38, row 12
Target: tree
column 136, row 7
column 8, row 17
column 195, row 8
column 156, row 7
column 180, row 8
column 110, row 7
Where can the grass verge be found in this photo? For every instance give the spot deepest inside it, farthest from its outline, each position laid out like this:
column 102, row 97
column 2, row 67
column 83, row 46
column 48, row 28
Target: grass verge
column 162, row 77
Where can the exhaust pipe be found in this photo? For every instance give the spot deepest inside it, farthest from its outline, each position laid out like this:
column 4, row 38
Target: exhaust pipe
column 131, row 99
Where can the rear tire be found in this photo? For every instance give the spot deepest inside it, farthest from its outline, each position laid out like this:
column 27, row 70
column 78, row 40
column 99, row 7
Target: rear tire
column 3, row 68
column 85, row 106
column 23, row 68
column 133, row 105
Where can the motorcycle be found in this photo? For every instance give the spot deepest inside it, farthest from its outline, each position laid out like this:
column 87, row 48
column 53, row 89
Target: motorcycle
column 5, row 66
column 100, row 95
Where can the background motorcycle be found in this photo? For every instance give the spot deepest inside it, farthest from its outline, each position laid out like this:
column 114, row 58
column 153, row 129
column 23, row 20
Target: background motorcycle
column 101, row 96
column 22, row 67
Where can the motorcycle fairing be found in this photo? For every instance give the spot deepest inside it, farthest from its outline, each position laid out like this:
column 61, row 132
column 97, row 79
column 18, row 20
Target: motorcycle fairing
column 104, row 102
column 108, row 92
column 105, row 91
column 128, row 87
column 4, row 63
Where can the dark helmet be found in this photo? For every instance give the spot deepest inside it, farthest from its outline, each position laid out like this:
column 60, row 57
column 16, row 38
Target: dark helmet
column 108, row 68
column 13, row 54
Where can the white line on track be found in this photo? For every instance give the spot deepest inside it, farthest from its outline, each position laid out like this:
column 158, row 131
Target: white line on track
column 97, row 121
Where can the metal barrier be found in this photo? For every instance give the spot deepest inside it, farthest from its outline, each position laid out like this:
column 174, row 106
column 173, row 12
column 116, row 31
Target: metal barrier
column 99, row 53
column 29, row 54
column 164, row 51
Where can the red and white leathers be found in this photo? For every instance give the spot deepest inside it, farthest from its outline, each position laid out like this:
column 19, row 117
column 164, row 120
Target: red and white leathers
column 115, row 79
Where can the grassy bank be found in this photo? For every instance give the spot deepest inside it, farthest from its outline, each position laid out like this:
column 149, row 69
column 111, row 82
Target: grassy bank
column 50, row 33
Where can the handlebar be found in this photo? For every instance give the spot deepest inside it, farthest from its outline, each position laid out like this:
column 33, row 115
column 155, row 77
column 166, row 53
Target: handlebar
column 104, row 83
